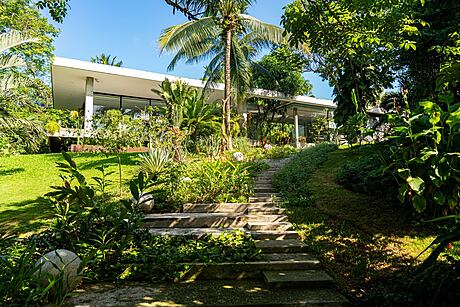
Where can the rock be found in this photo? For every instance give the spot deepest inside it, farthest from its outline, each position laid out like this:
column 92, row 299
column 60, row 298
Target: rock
column 238, row 156
column 55, row 262
column 146, row 203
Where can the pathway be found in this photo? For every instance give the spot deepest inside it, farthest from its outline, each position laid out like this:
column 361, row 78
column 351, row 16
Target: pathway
column 285, row 275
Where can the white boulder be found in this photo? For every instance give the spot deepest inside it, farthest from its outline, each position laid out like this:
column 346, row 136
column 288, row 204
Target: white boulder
column 146, row 203
column 238, row 156
column 53, row 263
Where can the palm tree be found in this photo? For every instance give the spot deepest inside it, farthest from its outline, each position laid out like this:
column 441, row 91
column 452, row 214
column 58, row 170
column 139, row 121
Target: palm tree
column 10, row 63
column 175, row 95
column 24, row 131
column 215, row 34
column 106, row 60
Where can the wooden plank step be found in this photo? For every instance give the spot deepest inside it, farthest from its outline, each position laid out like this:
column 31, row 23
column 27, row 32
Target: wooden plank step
column 278, row 226
column 282, row 246
column 282, row 279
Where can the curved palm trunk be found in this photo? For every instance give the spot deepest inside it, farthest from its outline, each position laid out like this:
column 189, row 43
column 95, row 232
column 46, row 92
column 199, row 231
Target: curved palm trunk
column 227, row 102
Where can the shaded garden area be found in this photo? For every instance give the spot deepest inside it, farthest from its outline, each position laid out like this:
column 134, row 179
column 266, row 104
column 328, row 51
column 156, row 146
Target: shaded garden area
column 370, row 244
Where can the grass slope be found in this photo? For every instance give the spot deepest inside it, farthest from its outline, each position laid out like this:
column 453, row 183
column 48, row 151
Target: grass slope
column 25, row 179
column 360, row 239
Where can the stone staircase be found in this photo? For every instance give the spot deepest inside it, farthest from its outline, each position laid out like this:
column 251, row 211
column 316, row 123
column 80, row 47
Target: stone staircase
column 285, row 261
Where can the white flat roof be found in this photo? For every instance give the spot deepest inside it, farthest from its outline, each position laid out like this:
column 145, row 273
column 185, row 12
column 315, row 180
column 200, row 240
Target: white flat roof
column 69, row 79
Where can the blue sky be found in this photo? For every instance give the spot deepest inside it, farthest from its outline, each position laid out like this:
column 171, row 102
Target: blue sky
column 129, row 30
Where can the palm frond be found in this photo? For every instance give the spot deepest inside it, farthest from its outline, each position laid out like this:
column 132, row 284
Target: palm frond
column 266, row 31
column 11, row 61
column 15, row 38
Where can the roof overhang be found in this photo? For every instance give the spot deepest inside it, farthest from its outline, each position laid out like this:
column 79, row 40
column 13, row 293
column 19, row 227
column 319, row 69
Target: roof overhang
column 69, row 79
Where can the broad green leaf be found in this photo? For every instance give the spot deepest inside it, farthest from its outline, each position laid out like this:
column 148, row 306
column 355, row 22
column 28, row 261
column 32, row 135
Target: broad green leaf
column 416, row 184
column 402, row 192
column 134, row 189
column 404, row 173
column 419, row 203
column 438, row 197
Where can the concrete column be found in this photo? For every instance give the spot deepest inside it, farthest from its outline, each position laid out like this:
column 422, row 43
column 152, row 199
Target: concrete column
column 89, row 103
column 296, row 128
column 242, row 109
column 306, row 131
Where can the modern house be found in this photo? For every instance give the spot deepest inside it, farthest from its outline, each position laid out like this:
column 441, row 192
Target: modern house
column 81, row 85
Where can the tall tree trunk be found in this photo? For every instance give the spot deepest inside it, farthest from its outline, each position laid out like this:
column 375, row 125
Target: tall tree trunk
column 227, row 102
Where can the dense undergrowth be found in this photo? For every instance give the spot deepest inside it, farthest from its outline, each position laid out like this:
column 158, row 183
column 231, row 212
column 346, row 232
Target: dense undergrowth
column 108, row 235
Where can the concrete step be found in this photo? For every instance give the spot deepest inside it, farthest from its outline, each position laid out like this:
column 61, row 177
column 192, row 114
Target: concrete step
column 274, row 235
column 243, row 270
column 242, row 293
column 263, row 199
column 269, row 211
column 278, row 226
column 259, row 194
column 265, row 189
column 212, row 220
column 225, row 207
column 215, row 208
column 282, row 246
column 293, row 257
column 282, row 279
column 196, row 233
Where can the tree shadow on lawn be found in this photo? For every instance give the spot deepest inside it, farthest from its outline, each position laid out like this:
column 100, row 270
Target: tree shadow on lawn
column 25, row 217
column 126, row 159
column 10, row 171
column 360, row 239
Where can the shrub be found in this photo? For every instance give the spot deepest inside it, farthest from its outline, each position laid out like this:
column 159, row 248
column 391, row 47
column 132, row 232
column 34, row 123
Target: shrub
column 425, row 157
column 366, row 174
column 292, row 180
column 215, row 181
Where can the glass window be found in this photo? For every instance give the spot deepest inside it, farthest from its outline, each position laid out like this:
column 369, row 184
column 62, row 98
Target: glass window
column 105, row 102
column 134, row 106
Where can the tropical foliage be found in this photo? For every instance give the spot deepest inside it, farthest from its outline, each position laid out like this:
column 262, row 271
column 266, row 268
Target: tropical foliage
column 426, row 154
column 106, row 60
column 224, row 32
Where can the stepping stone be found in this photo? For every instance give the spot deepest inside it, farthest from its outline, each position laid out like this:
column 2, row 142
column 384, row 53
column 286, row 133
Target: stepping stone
column 254, row 211
column 278, row 226
column 274, row 235
column 297, row 279
column 282, row 246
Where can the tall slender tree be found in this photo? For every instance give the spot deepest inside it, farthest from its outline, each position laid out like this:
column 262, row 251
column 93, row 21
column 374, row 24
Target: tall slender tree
column 213, row 29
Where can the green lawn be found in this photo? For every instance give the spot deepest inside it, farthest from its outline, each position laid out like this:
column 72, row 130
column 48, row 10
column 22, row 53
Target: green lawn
column 25, row 179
